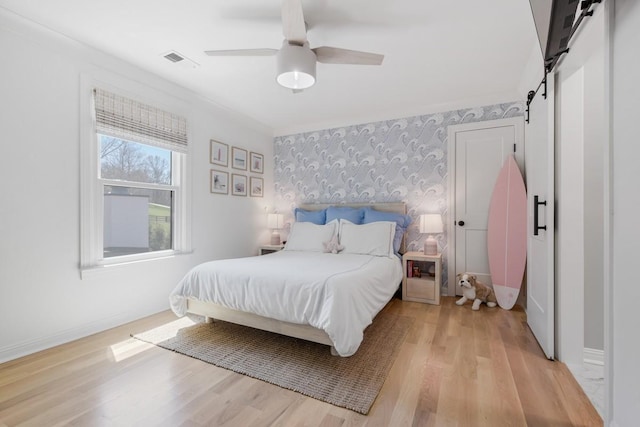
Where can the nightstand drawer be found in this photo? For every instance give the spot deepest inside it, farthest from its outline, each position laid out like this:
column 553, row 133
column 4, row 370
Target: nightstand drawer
column 421, row 288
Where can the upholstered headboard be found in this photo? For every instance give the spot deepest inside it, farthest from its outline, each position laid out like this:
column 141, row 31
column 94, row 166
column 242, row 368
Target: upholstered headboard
column 394, row 207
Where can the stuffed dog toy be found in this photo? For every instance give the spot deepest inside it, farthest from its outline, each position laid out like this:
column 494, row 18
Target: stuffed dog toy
column 333, row 246
column 475, row 291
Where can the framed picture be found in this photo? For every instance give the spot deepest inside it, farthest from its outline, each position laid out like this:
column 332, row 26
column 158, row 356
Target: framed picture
column 256, row 162
column 256, row 187
column 219, row 182
column 238, row 185
column 238, row 158
column 218, row 153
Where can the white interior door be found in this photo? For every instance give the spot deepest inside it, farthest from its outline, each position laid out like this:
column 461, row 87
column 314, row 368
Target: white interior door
column 479, row 151
column 539, row 135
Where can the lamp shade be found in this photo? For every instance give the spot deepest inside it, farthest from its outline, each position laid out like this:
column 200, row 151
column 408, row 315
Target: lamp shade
column 431, row 223
column 296, row 66
column 275, row 221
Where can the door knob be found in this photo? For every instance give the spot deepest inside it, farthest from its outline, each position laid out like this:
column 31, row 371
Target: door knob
column 461, row 223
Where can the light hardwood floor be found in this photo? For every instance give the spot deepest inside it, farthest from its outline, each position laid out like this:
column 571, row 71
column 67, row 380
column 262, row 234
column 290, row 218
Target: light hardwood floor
column 456, row 367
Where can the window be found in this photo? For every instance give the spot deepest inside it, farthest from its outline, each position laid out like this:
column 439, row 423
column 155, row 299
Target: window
column 134, row 203
column 138, row 197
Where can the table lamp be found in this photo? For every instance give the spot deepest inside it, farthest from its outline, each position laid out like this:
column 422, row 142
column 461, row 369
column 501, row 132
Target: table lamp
column 431, row 224
column 275, row 222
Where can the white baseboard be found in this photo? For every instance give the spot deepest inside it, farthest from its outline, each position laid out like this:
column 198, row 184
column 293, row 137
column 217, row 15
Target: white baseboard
column 593, row 356
column 31, row 346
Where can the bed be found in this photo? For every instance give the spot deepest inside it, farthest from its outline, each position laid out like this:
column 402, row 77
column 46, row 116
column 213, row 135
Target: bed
column 302, row 291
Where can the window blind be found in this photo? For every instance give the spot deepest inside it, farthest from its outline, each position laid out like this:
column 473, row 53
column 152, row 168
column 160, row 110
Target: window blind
column 125, row 118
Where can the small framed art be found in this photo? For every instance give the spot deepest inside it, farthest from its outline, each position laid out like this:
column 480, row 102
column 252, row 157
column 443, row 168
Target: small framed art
column 218, row 153
column 256, row 162
column 238, row 158
column 219, row 182
column 238, row 185
column 256, row 186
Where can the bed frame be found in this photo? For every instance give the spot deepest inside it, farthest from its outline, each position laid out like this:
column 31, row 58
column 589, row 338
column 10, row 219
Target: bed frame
column 213, row 311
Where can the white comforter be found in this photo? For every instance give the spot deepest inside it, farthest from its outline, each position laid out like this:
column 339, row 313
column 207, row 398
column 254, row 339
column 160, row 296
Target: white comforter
column 338, row 293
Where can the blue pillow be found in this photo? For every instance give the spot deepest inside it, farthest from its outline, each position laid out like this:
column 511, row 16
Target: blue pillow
column 354, row 215
column 316, row 217
column 402, row 222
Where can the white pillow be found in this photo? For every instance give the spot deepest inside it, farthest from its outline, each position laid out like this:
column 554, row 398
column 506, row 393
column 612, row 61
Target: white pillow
column 307, row 236
column 375, row 238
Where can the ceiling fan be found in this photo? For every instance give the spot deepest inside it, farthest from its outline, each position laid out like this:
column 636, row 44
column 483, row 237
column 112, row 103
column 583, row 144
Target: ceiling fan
column 296, row 61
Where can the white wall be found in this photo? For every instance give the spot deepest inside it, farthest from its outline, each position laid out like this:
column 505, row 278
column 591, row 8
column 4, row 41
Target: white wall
column 625, row 338
column 43, row 300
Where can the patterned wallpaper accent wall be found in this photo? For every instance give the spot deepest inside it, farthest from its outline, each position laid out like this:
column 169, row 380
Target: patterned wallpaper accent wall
column 403, row 160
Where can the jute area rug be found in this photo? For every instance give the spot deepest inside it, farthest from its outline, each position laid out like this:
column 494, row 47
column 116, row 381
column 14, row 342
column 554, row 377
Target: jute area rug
column 295, row 364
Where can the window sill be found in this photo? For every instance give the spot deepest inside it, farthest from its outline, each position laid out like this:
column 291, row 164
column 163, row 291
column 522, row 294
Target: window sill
column 120, row 263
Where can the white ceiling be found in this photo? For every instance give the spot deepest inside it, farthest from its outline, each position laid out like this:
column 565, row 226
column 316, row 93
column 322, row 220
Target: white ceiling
column 437, row 52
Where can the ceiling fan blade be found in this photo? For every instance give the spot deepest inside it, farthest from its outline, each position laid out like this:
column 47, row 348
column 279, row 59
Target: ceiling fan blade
column 334, row 55
column 242, row 52
column 293, row 26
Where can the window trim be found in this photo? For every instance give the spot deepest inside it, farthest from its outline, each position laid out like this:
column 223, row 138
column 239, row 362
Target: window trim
column 91, row 185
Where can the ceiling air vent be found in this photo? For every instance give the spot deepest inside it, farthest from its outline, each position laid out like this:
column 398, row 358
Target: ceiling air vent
column 174, row 57
column 178, row 58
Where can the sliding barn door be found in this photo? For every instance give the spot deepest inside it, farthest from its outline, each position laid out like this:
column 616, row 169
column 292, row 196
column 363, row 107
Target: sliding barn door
column 539, row 136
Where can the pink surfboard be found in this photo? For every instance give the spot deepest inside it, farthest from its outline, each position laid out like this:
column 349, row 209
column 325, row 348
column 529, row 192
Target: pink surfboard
column 507, row 234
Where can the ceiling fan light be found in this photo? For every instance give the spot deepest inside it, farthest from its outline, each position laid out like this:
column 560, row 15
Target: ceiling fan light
column 296, row 80
column 296, row 66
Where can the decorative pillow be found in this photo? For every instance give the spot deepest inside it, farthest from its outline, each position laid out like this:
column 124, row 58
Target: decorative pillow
column 316, row 217
column 307, row 236
column 375, row 238
column 402, row 222
column 353, row 215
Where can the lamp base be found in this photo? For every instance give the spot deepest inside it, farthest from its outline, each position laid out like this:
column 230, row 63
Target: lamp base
column 431, row 246
column 275, row 238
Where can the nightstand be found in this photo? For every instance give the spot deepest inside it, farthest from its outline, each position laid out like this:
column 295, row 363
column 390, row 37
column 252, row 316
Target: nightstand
column 267, row 249
column 417, row 284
